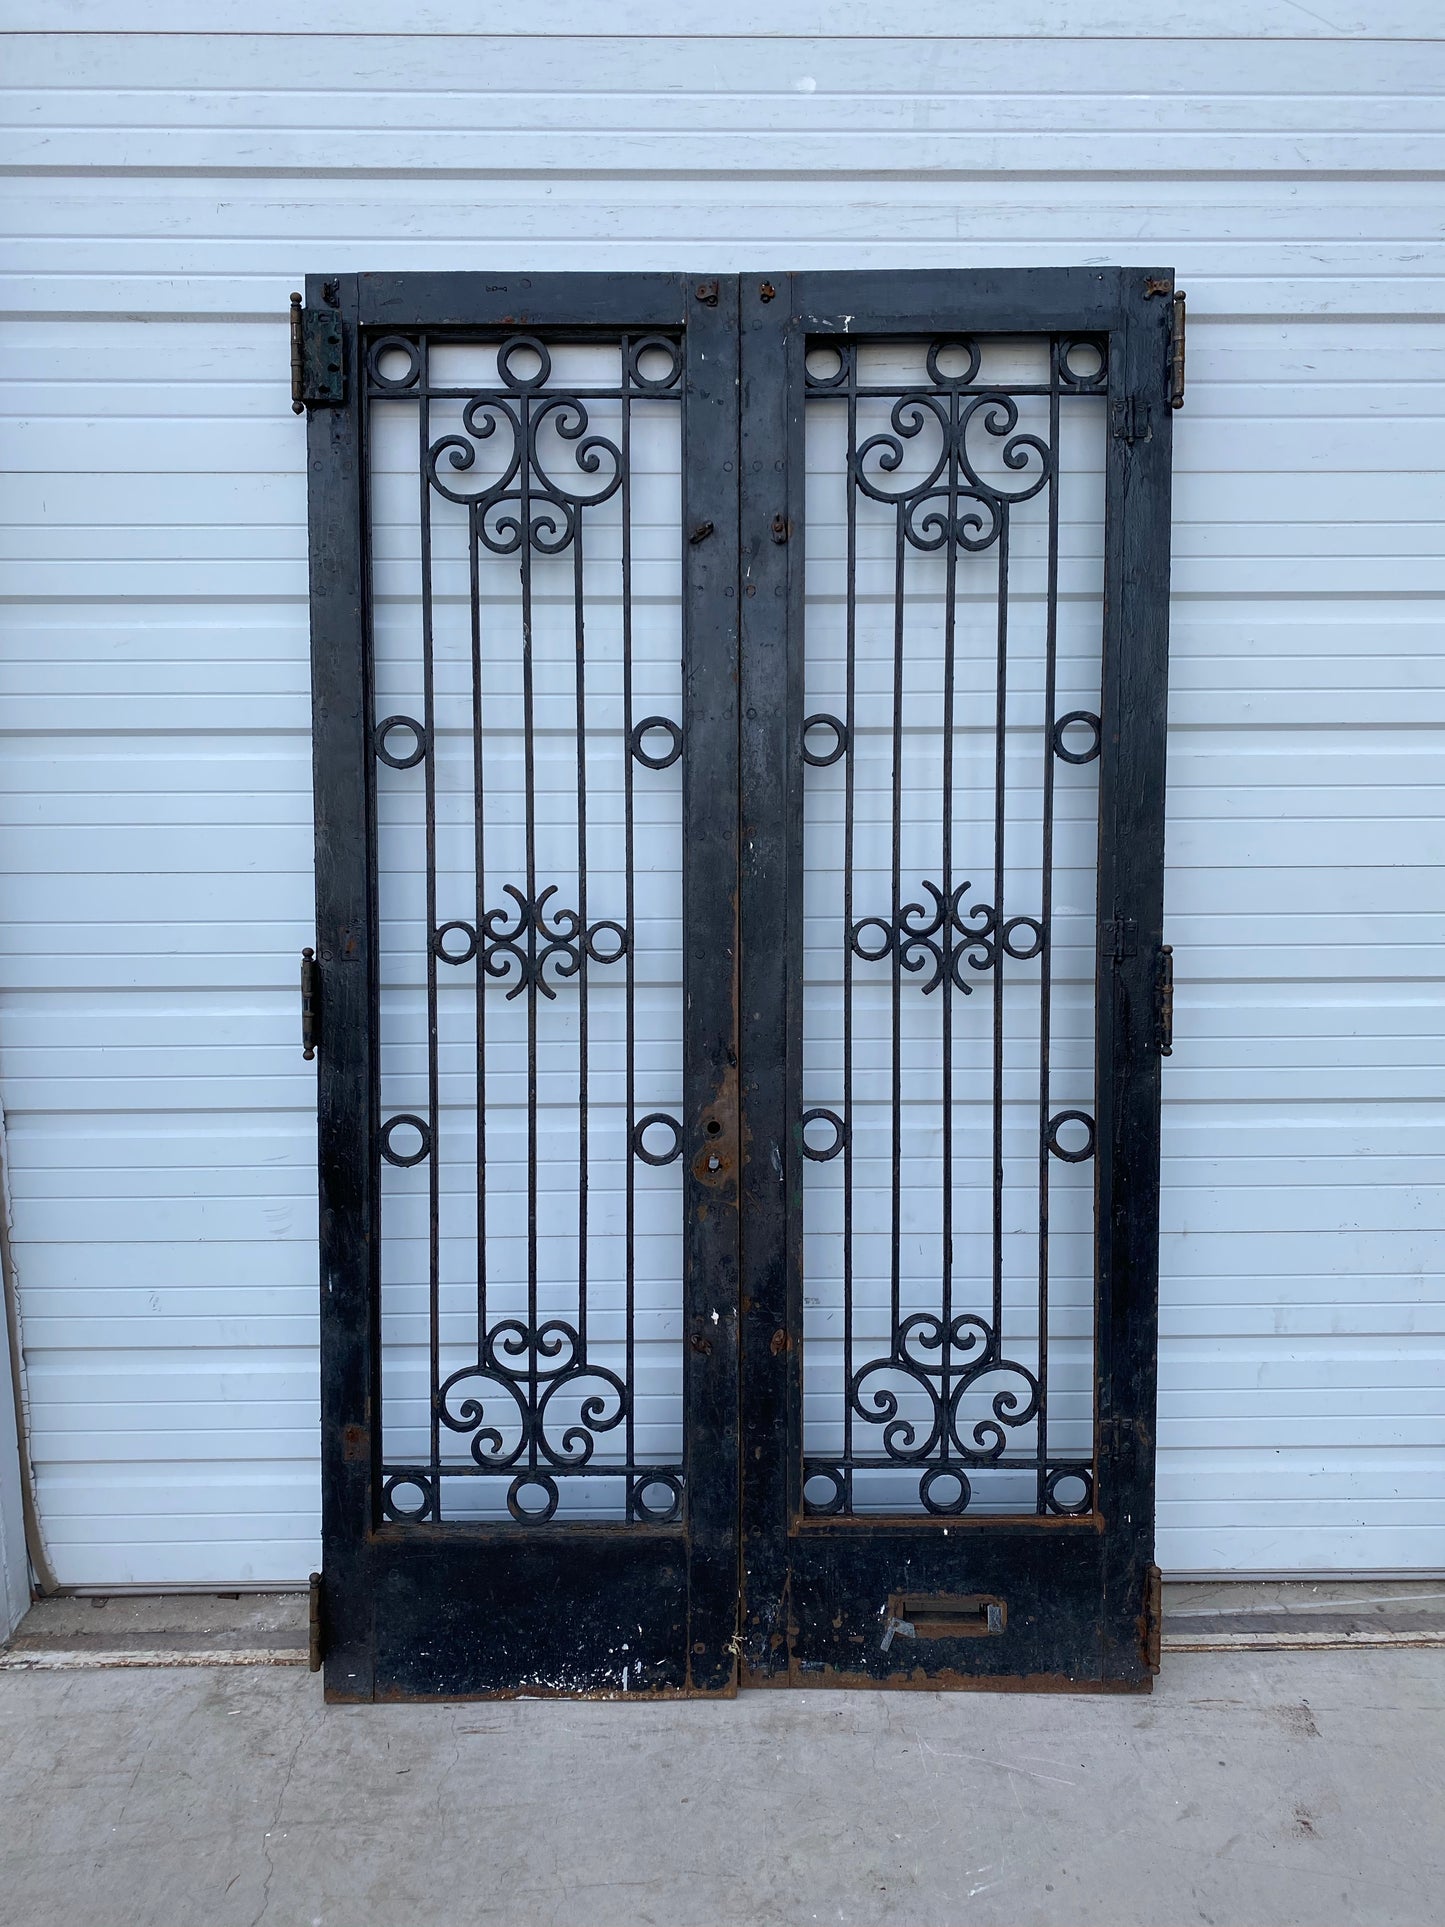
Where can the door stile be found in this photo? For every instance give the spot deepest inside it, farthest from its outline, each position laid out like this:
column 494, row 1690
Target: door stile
column 420, row 1599
column 1049, row 1591
column 710, row 985
column 770, row 896
column 345, row 1080
column 1130, row 932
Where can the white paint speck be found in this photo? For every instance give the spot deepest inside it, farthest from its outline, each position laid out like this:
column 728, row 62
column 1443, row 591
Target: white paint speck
column 806, row 84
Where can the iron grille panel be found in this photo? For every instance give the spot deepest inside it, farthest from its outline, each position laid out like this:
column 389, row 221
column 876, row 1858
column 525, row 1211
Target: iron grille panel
column 525, row 514
column 953, row 624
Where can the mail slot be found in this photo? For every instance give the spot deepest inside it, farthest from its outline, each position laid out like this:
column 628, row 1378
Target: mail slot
column 943, row 1615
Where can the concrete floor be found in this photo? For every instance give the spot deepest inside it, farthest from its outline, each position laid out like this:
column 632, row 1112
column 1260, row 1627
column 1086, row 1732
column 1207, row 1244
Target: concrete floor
column 1252, row 1790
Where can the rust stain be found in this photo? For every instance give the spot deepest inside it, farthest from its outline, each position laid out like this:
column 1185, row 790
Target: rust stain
column 947, row 1680
column 355, row 1444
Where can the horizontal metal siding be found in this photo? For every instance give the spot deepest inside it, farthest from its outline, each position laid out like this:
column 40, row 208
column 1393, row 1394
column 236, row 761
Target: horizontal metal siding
column 162, row 194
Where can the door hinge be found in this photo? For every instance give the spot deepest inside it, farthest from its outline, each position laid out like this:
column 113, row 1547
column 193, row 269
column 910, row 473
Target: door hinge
column 318, row 357
column 1164, row 992
column 316, row 1647
column 1175, row 371
column 310, row 1004
column 1176, row 352
column 1130, row 419
column 1153, row 1628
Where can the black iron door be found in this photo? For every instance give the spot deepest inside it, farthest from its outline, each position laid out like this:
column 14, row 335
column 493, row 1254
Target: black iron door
column 955, row 557
column 524, row 618
column 627, row 1379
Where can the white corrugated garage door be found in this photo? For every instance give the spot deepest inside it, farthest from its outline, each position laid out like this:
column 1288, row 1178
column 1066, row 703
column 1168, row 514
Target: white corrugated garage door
column 165, row 193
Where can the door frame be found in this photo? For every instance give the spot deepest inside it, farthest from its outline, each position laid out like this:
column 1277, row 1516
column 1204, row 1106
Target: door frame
column 816, row 1590
column 422, row 1609
column 743, row 1584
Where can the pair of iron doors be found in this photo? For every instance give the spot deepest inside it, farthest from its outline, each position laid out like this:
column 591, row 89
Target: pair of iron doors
column 739, row 757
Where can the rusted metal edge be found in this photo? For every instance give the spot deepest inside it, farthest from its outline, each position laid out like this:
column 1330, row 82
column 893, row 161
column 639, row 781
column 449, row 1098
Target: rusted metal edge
column 947, row 1679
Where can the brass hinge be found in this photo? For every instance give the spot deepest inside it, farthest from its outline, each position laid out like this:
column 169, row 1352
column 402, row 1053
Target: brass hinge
column 318, row 357
column 1175, row 371
column 1164, row 992
column 317, row 1644
column 1153, row 1617
column 310, row 1004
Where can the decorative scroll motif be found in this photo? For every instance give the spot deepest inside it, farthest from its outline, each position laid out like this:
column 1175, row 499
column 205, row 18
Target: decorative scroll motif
column 941, row 942
column 533, row 1405
column 505, row 1404
column 963, row 1398
column 545, row 466
column 529, row 943
column 948, row 431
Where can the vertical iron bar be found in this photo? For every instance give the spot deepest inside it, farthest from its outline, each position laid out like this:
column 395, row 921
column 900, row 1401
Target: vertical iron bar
column 629, row 915
column 529, row 771
column 896, row 900
column 429, row 763
column 850, row 723
column 946, row 936
column 479, row 833
column 1046, row 913
column 1000, row 805
column 578, row 626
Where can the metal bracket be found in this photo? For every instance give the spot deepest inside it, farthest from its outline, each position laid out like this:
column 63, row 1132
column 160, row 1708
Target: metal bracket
column 1153, row 1628
column 1129, row 419
column 1122, row 936
column 318, row 357
column 1164, row 992
column 310, row 1004
column 317, row 1644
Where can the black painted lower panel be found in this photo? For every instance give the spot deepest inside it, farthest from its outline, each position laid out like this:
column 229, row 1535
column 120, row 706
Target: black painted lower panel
column 462, row 1614
column 846, row 1582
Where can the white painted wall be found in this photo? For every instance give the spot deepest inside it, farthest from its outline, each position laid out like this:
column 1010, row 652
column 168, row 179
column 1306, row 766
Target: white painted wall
column 164, row 190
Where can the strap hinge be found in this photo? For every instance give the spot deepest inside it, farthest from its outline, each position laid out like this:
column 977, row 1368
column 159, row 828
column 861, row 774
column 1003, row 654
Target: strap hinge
column 318, row 357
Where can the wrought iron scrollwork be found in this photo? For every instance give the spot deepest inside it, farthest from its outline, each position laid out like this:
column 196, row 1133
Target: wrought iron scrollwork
column 534, row 1395
column 945, row 940
column 940, row 1370
column 950, row 429
column 528, row 499
column 528, row 939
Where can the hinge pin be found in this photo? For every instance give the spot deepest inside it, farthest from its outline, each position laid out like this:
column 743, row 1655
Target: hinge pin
column 309, row 1000
column 316, row 1643
column 298, row 378
column 1176, row 354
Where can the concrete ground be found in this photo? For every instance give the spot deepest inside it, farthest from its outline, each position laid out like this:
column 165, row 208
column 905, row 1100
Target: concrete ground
column 1255, row 1788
